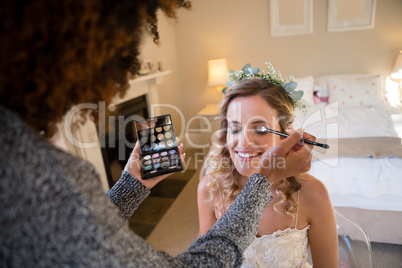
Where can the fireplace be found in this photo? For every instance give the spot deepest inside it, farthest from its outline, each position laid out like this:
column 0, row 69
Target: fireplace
column 120, row 139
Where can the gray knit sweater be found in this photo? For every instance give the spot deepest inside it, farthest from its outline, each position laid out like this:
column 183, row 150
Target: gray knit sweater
column 54, row 212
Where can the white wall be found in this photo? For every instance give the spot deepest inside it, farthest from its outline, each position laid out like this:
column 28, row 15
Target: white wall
column 165, row 52
column 240, row 31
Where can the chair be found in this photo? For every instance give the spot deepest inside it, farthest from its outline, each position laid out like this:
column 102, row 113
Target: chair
column 354, row 246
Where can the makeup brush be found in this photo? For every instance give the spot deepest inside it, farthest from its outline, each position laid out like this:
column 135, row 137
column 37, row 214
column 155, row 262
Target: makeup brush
column 264, row 129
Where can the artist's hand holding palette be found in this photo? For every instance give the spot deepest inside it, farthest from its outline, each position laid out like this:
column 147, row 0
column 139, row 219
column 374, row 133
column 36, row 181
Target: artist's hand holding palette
column 159, row 152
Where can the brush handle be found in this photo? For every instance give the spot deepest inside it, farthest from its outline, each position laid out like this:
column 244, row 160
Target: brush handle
column 326, row 146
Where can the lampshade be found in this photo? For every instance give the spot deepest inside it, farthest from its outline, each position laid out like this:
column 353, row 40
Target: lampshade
column 397, row 71
column 217, row 72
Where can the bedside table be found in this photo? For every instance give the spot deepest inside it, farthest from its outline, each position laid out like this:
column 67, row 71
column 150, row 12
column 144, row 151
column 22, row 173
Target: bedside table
column 209, row 124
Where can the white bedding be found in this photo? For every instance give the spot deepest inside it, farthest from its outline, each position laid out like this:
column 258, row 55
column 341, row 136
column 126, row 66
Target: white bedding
column 327, row 121
column 367, row 183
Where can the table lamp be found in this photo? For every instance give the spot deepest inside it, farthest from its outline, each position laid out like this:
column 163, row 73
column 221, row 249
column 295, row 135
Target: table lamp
column 217, row 72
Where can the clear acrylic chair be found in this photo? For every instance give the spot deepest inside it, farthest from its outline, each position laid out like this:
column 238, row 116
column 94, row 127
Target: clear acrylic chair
column 354, row 246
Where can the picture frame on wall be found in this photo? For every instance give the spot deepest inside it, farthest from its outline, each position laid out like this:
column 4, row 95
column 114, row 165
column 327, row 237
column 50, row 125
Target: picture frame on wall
column 291, row 17
column 351, row 15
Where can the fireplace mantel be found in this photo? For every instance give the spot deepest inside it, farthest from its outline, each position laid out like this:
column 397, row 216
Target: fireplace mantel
column 83, row 141
column 144, row 85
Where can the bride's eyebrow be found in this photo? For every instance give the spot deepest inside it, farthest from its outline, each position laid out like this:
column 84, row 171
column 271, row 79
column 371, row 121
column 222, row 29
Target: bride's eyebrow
column 260, row 122
column 234, row 123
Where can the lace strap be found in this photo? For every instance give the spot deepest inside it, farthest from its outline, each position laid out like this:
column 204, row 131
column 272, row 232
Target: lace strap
column 297, row 209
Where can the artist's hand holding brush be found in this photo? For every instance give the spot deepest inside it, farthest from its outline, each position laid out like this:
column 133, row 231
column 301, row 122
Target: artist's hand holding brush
column 290, row 157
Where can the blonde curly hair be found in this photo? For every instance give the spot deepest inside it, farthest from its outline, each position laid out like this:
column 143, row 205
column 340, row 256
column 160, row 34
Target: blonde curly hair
column 218, row 164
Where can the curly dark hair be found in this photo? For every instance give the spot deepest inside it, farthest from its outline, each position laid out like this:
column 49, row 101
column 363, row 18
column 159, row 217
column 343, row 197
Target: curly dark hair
column 56, row 54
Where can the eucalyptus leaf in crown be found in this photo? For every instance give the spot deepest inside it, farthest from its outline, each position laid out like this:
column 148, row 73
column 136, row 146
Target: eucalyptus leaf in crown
column 271, row 75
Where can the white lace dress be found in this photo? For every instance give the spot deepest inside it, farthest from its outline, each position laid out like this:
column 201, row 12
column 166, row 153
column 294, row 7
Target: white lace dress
column 283, row 248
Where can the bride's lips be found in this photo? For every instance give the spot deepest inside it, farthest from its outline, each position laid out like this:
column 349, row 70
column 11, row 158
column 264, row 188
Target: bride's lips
column 247, row 155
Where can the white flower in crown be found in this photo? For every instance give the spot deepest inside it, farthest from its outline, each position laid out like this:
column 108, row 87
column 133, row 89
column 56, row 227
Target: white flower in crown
column 274, row 77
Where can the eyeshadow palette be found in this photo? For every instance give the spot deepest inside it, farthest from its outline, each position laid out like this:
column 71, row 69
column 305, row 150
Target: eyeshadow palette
column 159, row 152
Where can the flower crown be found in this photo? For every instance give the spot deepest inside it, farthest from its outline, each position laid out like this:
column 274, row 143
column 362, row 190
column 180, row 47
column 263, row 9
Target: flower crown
column 272, row 76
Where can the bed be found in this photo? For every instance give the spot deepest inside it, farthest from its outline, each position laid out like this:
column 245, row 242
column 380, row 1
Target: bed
column 362, row 170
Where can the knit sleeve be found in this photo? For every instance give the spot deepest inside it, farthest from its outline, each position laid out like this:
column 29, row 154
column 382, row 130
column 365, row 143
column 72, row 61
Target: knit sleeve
column 127, row 194
column 224, row 243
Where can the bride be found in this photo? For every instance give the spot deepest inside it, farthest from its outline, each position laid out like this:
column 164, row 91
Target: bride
column 300, row 215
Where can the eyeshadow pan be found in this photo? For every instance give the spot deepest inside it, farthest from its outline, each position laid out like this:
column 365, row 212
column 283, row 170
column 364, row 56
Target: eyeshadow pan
column 158, row 129
column 163, row 153
column 148, row 167
column 169, row 143
column 157, row 160
column 153, row 138
column 165, row 158
column 143, row 132
column 144, row 139
column 146, row 148
column 165, row 164
column 160, row 136
column 154, row 146
column 157, row 165
column 162, row 145
column 147, row 162
column 172, row 151
column 166, row 128
column 168, row 135
column 155, row 155
column 147, row 157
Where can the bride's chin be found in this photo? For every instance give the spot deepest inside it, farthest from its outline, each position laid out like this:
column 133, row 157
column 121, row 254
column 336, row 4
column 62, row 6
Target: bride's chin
column 247, row 168
column 246, row 172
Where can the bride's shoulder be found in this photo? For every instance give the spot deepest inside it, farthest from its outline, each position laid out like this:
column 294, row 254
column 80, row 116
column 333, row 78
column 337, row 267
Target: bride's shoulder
column 207, row 191
column 313, row 190
column 205, row 180
column 204, row 186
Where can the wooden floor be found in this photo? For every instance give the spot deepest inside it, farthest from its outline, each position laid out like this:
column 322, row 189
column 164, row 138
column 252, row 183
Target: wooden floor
column 178, row 228
column 155, row 206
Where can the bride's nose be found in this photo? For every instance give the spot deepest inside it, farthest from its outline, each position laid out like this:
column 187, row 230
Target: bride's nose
column 245, row 139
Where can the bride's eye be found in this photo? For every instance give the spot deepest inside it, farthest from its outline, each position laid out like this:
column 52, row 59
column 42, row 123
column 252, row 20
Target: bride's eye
column 260, row 130
column 234, row 129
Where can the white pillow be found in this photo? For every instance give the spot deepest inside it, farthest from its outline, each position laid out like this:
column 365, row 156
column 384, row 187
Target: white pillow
column 321, row 82
column 307, row 85
column 320, row 86
column 356, row 91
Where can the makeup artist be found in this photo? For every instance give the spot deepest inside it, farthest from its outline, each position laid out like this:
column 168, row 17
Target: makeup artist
column 57, row 54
